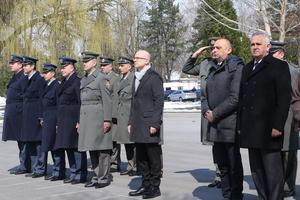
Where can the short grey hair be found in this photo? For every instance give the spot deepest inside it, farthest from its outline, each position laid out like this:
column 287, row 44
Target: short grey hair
column 266, row 36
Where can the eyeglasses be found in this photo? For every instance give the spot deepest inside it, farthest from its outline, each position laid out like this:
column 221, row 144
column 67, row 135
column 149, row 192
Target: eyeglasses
column 136, row 58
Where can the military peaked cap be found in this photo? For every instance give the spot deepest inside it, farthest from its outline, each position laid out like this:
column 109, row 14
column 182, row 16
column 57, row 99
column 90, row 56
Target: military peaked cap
column 125, row 60
column 15, row 58
column 47, row 67
column 64, row 61
column 28, row 60
column 87, row 56
column 106, row 60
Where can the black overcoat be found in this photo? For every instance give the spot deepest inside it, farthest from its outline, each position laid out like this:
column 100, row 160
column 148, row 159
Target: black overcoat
column 147, row 108
column 12, row 124
column 49, row 116
column 32, row 107
column 68, row 110
column 265, row 96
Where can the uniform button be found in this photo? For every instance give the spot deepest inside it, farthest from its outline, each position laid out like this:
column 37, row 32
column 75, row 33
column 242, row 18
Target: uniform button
column 246, row 83
column 251, row 107
column 244, row 108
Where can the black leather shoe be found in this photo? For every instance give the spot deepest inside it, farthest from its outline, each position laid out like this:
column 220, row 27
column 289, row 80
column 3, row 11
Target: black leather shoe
column 34, row 175
column 289, row 193
column 216, row 184
column 12, row 171
column 68, row 180
column 74, row 182
column 56, row 178
column 133, row 173
column 18, row 172
column 152, row 193
column 138, row 192
column 124, row 173
column 90, row 184
column 101, row 185
column 113, row 170
column 29, row 175
column 48, row 177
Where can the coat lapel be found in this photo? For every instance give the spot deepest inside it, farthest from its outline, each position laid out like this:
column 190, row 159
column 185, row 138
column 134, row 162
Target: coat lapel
column 125, row 82
column 66, row 83
column 258, row 67
column 87, row 80
column 49, row 87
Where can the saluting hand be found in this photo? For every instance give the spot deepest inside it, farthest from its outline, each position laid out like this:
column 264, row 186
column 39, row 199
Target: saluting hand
column 276, row 133
column 106, row 126
column 199, row 51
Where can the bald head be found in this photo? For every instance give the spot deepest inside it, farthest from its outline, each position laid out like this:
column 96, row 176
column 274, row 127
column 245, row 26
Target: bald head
column 222, row 49
column 141, row 59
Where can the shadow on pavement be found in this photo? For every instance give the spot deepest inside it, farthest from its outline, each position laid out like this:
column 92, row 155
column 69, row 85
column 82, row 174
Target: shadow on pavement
column 201, row 175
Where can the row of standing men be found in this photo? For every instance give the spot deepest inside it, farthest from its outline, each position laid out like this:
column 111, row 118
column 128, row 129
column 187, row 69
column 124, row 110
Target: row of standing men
column 250, row 106
column 93, row 113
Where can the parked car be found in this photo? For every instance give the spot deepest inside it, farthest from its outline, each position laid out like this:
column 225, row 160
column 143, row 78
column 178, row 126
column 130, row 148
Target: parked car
column 167, row 93
column 198, row 93
column 182, row 95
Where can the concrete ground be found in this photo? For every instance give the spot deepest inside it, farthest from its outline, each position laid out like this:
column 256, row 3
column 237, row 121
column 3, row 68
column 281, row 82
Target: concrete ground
column 188, row 169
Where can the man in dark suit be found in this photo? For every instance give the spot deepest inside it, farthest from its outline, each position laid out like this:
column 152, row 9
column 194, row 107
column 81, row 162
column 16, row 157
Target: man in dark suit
column 144, row 124
column 265, row 97
column 68, row 109
column 12, row 125
column 48, row 121
column 31, row 127
column 219, row 107
column 290, row 141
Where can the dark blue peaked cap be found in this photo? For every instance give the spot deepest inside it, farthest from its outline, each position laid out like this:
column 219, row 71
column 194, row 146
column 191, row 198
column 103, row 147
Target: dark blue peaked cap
column 29, row 60
column 15, row 58
column 64, row 61
column 47, row 67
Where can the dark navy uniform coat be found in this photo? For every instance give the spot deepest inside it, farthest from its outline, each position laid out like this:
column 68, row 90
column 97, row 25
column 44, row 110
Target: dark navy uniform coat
column 68, row 109
column 49, row 116
column 32, row 108
column 12, row 124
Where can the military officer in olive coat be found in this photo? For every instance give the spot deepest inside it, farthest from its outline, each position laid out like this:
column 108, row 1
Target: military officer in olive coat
column 95, row 120
column 12, row 124
column 68, row 108
column 290, row 140
column 124, row 94
column 111, row 79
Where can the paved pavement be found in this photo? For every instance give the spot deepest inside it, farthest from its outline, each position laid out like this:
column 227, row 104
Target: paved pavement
column 188, row 169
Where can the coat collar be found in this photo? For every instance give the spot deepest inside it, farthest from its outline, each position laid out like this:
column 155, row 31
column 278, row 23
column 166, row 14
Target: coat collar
column 66, row 83
column 143, row 80
column 125, row 82
column 49, row 87
column 249, row 69
column 90, row 78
